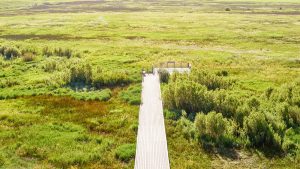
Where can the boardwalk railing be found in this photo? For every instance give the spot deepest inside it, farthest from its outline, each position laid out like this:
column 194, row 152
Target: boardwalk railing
column 168, row 65
column 172, row 64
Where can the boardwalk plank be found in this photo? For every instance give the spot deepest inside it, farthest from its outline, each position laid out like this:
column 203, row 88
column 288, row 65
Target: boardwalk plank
column 152, row 151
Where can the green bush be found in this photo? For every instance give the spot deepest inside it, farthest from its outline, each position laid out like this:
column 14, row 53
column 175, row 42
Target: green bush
column 291, row 115
column 242, row 120
column 28, row 57
column 125, row 152
column 2, row 160
column 241, row 112
column 9, row 52
column 2, row 50
column 258, row 130
column 290, row 144
column 190, row 93
column 222, row 73
column 164, row 76
column 111, row 79
column 50, row 66
column 211, row 81
column 68, row 53
column 47, row 51
column 186, row 95
column 253, row 103
column 29, row 50
column 63, row 52
column 213, row 125
column 81, row 73
column 289, row 93
column 172, row 114
column 134, row 127
column 186, row 127
column 225, row 103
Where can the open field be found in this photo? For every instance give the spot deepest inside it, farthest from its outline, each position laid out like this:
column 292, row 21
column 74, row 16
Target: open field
column 74, row 88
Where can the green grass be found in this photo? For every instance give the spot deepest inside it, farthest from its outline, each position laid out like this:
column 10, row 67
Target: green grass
column 132, row 95
column 126, row 152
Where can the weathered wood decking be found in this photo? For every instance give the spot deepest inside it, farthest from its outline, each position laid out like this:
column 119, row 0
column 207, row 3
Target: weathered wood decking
column 152, row 151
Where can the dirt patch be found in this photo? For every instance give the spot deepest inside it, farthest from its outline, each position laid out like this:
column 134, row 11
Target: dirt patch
column 282, row 8
column 264, row 13
column 134, row 37
column 50, row 37
column 82, row 6
column 240, row 160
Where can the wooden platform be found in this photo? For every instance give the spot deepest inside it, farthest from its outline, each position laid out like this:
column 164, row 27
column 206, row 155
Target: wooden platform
column 152, row 151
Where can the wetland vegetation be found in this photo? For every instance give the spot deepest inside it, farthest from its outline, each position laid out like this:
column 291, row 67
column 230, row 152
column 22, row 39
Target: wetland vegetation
column 70, row 81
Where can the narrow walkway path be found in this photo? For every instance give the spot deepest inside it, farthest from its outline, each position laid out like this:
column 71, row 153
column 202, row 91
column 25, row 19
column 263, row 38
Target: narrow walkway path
column 151, row 151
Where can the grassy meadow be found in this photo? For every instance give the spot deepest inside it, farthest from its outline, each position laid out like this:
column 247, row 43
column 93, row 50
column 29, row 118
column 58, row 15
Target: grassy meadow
column 70, row 78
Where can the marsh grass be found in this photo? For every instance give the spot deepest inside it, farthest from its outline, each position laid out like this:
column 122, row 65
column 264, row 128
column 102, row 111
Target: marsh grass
column 47, row 128
column 126, row 152
column 255, row 46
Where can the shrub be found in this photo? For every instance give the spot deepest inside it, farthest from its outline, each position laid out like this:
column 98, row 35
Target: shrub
column 68, row 53
column 211, row 81
column 222, row 73
column 81, row 73
column 225, row 103
column 174, row 115
column 257, row 129
column 47, row 51
column 289, row 146
column 2, row 50
column 125, row 152
column 28, row 57
column 110, row 79
column 269, row 92
column 2, row 160
column 240, row 114
column 134, row 127
column 63, row 52
column 227, row 9
column 186, row 127
column 290, row 114
column 50, row 66
column 9, row 52
column 253, row 103
column 200, row 123
column 289, row 93
column 213, row 124
column 163, row 76
column 186, row 95
column 31, row 50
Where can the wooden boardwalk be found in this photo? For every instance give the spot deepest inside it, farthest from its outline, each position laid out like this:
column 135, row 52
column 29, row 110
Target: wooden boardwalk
column 151, row 151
